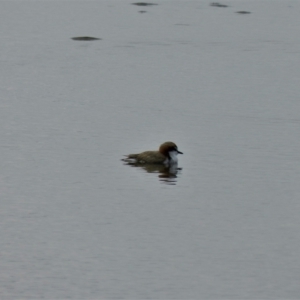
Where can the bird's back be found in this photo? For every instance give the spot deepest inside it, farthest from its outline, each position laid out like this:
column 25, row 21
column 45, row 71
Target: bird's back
column 148, row 157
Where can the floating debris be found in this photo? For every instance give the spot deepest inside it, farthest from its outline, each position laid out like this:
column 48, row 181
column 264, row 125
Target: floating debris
column 143, row 4
column 216, row 4
column 243, row 12
column 85, row 38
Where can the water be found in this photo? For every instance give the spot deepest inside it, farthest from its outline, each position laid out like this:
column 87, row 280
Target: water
column 78, row 223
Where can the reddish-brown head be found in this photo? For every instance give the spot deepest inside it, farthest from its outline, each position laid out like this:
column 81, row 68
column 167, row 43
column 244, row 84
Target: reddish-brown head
column 166, row 147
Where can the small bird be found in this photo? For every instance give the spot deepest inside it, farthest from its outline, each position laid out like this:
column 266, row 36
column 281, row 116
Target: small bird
column 166, row 154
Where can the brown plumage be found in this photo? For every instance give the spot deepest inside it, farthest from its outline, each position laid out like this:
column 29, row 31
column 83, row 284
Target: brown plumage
column 166, row 154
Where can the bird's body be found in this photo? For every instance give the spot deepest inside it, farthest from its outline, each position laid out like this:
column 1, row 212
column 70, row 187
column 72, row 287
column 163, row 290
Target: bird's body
column 167, row 154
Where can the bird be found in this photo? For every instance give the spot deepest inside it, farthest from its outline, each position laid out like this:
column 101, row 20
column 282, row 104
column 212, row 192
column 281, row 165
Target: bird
column 166, row 155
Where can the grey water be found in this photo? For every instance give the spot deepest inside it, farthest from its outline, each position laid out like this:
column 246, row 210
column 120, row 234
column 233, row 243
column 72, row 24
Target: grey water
column 78, row 223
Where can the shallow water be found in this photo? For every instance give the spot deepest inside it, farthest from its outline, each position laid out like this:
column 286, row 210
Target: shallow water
column 79, row 223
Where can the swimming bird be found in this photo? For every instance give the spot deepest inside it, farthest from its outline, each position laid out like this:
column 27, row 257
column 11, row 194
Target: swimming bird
column 166, row 154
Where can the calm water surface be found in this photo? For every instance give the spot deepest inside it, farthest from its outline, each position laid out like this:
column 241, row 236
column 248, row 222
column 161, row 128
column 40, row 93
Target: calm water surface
column 76, row 222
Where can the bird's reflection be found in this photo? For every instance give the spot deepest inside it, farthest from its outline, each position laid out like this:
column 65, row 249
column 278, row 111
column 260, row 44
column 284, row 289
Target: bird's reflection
column 166, row 174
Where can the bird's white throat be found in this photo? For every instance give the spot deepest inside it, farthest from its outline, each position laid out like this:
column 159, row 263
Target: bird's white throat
column 173, row 156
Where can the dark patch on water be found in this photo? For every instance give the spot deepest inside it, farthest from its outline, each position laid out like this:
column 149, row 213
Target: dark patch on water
column 143, row 4
column 85, row 38
column 216, row 4
column 243, row 12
